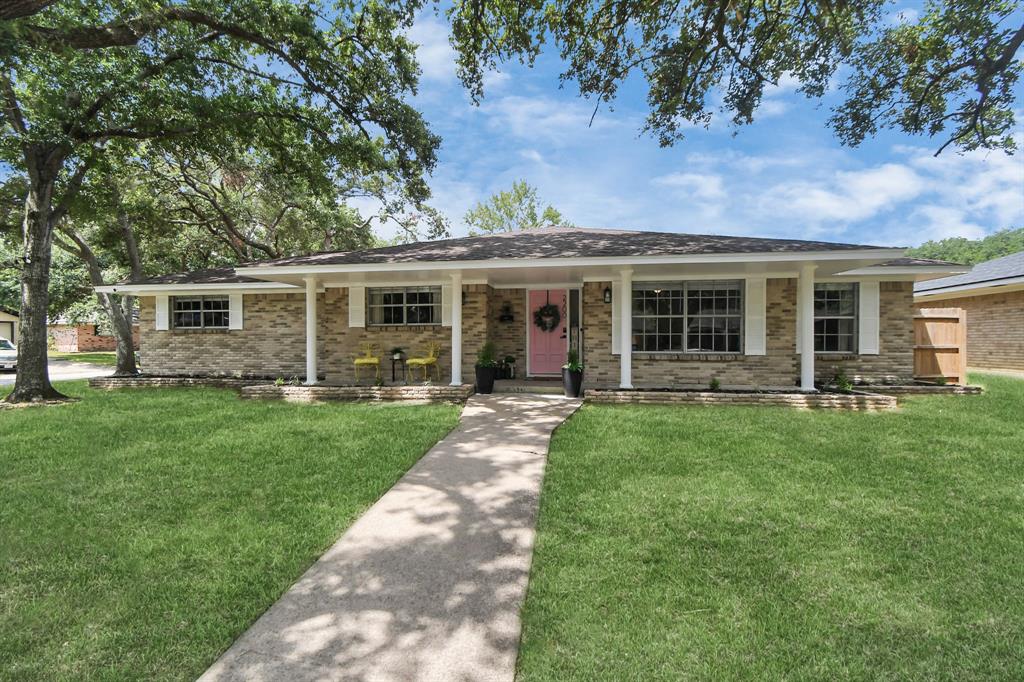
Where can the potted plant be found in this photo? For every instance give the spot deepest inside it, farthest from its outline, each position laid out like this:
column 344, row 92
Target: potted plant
column 510, row 367
column 396, row 352
column 486, row 368
column 572, row 374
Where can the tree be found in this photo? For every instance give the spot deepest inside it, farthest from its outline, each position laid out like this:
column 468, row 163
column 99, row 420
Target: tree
column 517, row 208
column 950, row 72
column 972, row 251
column 81, row 76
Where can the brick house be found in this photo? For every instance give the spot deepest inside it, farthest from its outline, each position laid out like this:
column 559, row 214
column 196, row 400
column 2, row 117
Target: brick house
column 992, row 293
column 9, row 325
column 74, row 337
column 645, row 309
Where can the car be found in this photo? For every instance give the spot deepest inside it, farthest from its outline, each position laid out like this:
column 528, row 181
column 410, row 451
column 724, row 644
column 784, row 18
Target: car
column 8, row 354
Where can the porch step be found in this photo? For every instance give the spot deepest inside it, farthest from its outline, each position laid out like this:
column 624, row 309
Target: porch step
column 543, row 387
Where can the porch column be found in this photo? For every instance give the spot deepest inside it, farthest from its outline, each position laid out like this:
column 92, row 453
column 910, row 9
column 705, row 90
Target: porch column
column 456, row 328
column 805, row 330
column 625, row 304
column 310, row 330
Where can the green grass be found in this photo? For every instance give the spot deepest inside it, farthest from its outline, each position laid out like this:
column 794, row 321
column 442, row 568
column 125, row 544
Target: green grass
column 99, row 357
column 141, row 531
column 756, row 543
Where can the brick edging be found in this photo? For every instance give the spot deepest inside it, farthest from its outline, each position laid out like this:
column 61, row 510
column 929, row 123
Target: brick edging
column 164, row 382
column 911, row 389
column 839, row 401
column 430, row 393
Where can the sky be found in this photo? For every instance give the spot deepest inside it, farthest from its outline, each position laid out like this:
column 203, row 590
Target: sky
column 784, row 176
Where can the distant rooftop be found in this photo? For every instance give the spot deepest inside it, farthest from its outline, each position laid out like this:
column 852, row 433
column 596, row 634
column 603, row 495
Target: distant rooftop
column 989, row 272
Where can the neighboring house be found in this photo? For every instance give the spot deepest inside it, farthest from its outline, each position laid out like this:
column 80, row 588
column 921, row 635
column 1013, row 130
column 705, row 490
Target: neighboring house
column 684, row 308
column 82, row 337
column 993, row 295
column 9, row 325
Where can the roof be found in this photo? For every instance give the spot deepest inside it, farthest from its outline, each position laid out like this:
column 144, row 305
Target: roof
column 225, row 275
column 923, row 262
column 9, row 311
column 562, row 242
column 983, row 274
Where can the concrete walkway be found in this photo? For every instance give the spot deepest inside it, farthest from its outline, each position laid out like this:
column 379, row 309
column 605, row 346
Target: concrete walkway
column 428, row 583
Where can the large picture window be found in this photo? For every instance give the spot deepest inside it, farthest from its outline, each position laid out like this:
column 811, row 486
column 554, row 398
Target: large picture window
column 201, row 312
column 688, row 317
column 404, row 305
column 835, row 317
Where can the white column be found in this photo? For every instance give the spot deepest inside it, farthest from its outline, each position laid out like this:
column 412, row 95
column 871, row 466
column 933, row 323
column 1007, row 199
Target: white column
column 310, row 330
column 625, row 304
column 456, row 328
column 805, row 316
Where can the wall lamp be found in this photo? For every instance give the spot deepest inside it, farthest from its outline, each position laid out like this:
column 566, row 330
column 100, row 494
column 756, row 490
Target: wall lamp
column 607, row 295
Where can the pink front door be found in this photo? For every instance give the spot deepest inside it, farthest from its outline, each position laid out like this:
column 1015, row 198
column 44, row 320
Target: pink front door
column 547, row 348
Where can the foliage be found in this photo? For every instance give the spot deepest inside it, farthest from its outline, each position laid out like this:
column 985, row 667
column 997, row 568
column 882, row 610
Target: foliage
column 487, row 356
column 517, row 208
column 184, row 527
column 949, row 72
column 741, row 543
column 572, row 361
column 842, row 382
column 715, row 384
column 972, row 251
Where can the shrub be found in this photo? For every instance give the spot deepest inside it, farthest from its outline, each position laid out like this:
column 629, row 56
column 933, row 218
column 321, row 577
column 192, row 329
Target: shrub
column 487, row 357
column 715, row 384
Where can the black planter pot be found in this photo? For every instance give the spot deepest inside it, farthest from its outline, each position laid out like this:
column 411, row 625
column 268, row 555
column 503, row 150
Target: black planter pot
column 485, row 377
column 572, row 382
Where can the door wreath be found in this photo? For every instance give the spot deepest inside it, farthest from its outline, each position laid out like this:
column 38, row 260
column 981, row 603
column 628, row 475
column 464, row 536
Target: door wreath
column 547, row 317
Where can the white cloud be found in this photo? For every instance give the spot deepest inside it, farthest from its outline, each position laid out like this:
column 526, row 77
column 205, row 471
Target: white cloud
column 542, row 117
column 434, row 54
column 706, row 187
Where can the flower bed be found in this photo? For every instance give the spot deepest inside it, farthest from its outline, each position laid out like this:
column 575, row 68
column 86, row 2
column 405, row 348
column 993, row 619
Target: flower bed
column 853, row 400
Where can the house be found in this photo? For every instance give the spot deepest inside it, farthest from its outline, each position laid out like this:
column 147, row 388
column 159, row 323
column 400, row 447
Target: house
column 643, row 308
column 9, row 325
column 992, row 294
column 81, row 337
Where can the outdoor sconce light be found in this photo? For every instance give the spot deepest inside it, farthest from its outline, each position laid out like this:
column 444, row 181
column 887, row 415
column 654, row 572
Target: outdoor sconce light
column 607, row 295
column 463, row 298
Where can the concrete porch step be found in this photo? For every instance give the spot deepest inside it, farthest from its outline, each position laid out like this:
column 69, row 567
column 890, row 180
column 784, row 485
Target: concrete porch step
column 542, row 387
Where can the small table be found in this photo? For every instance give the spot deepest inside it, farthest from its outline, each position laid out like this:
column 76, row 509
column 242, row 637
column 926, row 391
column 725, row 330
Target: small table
column 399, row 361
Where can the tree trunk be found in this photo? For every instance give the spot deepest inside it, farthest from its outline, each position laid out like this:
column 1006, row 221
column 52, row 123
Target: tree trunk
column 121, row 319
column 32, row 383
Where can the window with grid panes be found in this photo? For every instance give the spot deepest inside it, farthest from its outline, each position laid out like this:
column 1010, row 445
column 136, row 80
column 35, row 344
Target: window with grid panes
column 688, row 317
column 835, row 317
column 403, row 305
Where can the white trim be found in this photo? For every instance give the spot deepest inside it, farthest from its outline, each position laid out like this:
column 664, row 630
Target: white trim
column 529, row 322
column 456, row 316
column 868, row 314
column 199, row 289
column 311, row 319
column 505, row 263
column 626, row 322
column 755, row 301
column 527, row 285
column 884, row 270
column 995, row 284
column 235, row 316
column 616, row 325
column 805, row 326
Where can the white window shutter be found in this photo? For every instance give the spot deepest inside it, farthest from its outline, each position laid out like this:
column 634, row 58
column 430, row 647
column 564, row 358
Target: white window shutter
column 754, row 321
column 235, row 311
column 868, row 322
column 357, row 306
column 163, row 317
column 446, row 305
column 616, row 324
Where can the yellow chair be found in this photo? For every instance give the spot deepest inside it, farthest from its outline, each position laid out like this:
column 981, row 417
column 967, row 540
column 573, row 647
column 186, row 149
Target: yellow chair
column 367, row 359
column 433, row 348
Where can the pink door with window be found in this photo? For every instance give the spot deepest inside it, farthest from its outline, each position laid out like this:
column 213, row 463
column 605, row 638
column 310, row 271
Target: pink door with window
column 547, row 348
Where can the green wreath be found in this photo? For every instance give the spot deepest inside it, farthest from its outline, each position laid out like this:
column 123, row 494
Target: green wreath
column 547, row 317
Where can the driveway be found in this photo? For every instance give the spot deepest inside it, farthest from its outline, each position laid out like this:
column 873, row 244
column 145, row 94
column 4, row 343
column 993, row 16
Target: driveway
column 62, row 370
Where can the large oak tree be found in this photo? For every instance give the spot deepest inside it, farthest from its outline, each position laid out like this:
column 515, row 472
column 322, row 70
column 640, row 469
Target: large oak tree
column 77, row 76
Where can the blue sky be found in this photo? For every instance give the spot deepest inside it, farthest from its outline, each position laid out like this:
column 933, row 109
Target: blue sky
column 783, row 176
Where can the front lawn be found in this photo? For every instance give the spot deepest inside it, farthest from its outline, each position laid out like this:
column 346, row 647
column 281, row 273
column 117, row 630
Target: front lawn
column 141, row 531
column 756, row 543
column 98, row 357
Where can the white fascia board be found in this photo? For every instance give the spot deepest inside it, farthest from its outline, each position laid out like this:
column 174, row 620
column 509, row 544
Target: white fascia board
column 868, row 254
column 975, row 289
column 199, row 289
column 943, row 270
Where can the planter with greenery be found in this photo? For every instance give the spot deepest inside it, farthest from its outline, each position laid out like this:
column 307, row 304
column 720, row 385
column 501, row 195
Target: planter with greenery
column 572, row 374
column 486, row 368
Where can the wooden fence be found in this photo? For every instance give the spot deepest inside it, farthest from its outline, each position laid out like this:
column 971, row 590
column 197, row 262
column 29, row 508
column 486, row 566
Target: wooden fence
column 940, row 344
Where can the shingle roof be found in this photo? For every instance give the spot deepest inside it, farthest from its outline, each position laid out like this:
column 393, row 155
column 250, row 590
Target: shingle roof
column 925, row 262
column 992, row 271
column 225, row 275
column 563, row 242
column 9, row 311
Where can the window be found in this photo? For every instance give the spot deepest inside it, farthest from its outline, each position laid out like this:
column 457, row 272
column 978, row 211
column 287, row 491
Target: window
column 404, row 305
column 835, row 317
column 201, row 312
column 688, row 317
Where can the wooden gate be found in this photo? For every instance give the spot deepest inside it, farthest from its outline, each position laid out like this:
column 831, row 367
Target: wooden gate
column 940, row 344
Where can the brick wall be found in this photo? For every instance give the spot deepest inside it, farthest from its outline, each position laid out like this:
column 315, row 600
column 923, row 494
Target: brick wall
column 509, row 337
column 81, row 338
column 995, row 328
column 780, row 366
